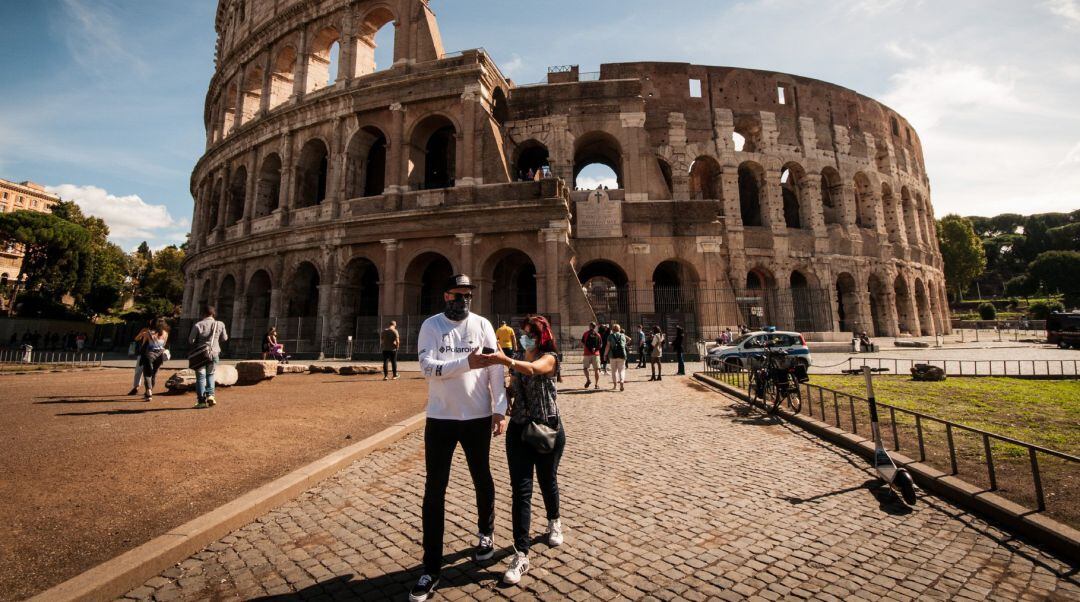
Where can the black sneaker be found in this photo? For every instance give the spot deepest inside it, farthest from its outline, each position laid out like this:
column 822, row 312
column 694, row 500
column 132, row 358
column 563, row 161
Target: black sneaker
column 485, row 548
column 423, row 588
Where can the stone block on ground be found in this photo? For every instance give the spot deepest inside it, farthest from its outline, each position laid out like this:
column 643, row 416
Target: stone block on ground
column 357, row 370
column 225, row 376
column 912, row 344
column 254, row 372
column 291, row 369
column 181, row 382
column 927, row 373
column 315, row 369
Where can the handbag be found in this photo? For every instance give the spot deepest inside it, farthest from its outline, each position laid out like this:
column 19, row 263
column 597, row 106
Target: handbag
column 199, row 356
column 539, row 436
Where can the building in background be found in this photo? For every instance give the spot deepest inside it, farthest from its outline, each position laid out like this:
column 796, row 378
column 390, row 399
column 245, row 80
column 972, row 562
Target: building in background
column 22, row 196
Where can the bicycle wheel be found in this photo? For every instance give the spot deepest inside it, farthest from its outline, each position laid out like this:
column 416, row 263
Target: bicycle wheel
column 773, row 399
column 752, row 390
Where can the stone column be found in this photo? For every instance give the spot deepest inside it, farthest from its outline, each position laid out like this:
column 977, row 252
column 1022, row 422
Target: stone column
column 466, row 164
column 267, row 83
column 347, row 54
column 286, row 195
column 389, row 283
column 238, row 118
column 277, row 300
column 634, row 181
column 250, row 192
column 772, row 207
column 335, row 170
column 397, row 178
column 552, row 238
column 864, row 317
column 300, row 74
column 189, row 296
column 326, row 311
column 223, row 202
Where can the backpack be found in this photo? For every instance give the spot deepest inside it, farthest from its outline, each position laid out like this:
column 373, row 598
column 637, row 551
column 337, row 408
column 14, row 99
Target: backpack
column 618, row 349
column 593, row 341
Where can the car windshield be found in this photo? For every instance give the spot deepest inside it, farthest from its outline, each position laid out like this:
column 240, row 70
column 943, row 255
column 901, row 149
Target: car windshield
column 739, row 340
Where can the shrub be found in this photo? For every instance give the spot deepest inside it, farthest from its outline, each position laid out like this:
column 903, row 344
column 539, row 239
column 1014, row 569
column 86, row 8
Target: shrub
column 1041, row 310
column 987, row 311
column 1021, row 286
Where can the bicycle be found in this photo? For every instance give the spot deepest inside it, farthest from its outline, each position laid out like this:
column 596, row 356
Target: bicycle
column 771, row 384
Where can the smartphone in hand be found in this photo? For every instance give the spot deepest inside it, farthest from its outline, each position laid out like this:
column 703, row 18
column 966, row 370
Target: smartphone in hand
column 487, row 351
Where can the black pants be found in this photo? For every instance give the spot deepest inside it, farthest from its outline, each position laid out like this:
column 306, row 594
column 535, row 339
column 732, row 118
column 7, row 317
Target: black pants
column 642, row 352
column 682, row 362
column 521, row 458
column 508, row 351
column 440, row 440
column 389, row 357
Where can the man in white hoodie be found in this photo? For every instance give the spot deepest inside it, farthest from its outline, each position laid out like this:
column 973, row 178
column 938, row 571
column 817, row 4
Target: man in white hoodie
column 466, row 405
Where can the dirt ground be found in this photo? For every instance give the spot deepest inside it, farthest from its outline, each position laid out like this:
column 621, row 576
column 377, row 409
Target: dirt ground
column 87, row 473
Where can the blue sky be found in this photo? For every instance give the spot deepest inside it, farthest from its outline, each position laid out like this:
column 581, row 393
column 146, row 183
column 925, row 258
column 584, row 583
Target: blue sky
column 103, row 99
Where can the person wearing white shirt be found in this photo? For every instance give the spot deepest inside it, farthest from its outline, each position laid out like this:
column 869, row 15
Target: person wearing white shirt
column 466, row 405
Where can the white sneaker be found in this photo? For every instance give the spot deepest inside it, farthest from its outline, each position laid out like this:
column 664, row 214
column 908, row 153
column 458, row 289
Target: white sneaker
column 485, row 548
column 555, row 536
column 519, row 565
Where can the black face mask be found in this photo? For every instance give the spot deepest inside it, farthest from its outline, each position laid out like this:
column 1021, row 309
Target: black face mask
column 457, row 309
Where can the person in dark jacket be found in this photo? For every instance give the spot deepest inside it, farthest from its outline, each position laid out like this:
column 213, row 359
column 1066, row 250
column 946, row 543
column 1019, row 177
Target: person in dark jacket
column 677, row 347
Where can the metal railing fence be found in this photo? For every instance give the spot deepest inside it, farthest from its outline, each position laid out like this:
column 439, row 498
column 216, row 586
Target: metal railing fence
column 1069, row 368
column 1025, row 473
column 60, row 358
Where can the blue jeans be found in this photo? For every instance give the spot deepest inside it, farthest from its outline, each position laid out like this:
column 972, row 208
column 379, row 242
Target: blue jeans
column 204, row 380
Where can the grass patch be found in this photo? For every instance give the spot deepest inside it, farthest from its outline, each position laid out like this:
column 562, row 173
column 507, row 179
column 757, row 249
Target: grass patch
column 1042, row 412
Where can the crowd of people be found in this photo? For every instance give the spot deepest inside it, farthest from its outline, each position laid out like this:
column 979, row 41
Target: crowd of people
column 71, row 340
column 606, row 350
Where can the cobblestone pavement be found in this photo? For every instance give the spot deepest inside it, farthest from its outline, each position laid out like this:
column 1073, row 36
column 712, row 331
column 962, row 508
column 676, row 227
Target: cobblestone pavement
column 670, row 491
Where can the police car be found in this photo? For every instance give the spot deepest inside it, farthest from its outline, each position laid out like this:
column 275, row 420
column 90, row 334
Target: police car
column 738, row 353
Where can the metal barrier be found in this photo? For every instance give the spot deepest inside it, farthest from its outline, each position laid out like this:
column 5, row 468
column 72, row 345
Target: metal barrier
column 846, row 412
column 60, row 358
column 1064, row 368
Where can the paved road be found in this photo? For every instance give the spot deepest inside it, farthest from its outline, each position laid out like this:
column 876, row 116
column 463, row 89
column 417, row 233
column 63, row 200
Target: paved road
column 670, row 491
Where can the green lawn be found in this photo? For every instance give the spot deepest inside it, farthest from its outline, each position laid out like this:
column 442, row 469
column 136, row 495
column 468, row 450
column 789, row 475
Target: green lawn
column 1043, row 412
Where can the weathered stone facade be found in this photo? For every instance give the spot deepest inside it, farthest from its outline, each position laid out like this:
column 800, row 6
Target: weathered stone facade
column 352, row 199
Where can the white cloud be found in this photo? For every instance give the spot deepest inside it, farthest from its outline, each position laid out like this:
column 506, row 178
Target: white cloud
column 1066, row 9
column 1073, row 156
column 587, row 183
column 513, row 66
column 93, row 37
column 130, row 219
column 929, row 93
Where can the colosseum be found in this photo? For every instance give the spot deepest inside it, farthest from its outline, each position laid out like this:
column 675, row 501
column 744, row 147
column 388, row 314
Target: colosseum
column 336, row 194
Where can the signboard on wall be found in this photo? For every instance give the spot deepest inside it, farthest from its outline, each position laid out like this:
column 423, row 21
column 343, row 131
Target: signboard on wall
column 598, row 216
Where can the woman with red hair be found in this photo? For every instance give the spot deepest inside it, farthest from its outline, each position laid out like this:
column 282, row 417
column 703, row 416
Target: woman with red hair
column 534, row 409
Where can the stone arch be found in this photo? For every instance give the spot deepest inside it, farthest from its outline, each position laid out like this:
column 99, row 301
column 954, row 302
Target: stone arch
column 205, row 296
column 796, row 209
column 234, row 213
column 847, row 303
column 228, row 110
column 905, row 313
column 705, row 179
column 312, row 172
column 257, row 295
column 302, row 298
column 832, row 196
column 746, row 135
column 510, row 276
column 598, row 148
column 802, row 284
column 532, row 157
column 359, row 304
column 760, row 278
column 910, row 217
column 752, row 196
column 864, row 202
column 433, row 153
column 923, row 307
column 425, row 279
column 378, row 20
column 880, row 311
column 888, row 204
column 251, row 95
column 366, row 164
column 674, row 284
column 283, row 76
column 268, row 186
column 325, row 49
column 607, row 287
column 226, row 301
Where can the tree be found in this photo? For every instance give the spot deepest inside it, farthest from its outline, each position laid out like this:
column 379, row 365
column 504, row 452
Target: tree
column 165, row 279
column 55, row 252
column 962, row 251
column 108, row 267
column 1058, row 270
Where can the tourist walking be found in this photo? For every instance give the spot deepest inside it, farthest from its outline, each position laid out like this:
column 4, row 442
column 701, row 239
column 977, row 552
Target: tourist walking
column 535, row 438
column 205, row 340
column 152, row 354
column 617, row 350
column 677, row 347
column 603, row 330
column 641, row 341
column 390, row 341
column 136, row 350
column 591, row 346
column 466, row 405
column 656, row 353
column 507, row 339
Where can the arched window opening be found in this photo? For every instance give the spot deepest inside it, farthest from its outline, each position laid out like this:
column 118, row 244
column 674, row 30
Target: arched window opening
column 513, row 285
column 533, row 161
column 847, row 303
column 832, row 196
column 790, row 188
column 750, row 188
column 228, row 111
column 237, row 196
column 226, row 301
column 910, row 218
column 268, row 188
column 258, row 301
column 598, row 162
column 803, row 301
column 359, row 299
column 324, row 59
column 365, row 170
column 864, row 202
column 375, row 42
column 888, row 204
column 905, row 313
column 674, row 285
column 433, row 154
column 252, row 96
column 425, row 281
column 747, row 134
column 878, row 306
column 895, row 127
column 312, row 172
column 922, row 302
column 606, row 287
column 760, row 279
column 281, row 80
column 303, row 298
column 739, row 141
column 500, row 108
column 705, row 181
